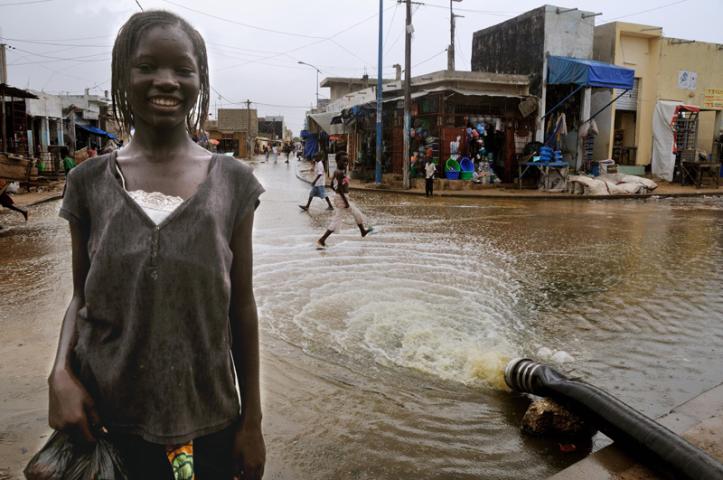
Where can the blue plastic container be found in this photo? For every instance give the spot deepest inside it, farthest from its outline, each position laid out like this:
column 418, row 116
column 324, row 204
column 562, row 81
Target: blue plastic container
column 466, row 165
column 452, row 175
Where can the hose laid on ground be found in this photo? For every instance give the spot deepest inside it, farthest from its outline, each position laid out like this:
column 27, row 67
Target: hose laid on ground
column 643, row 436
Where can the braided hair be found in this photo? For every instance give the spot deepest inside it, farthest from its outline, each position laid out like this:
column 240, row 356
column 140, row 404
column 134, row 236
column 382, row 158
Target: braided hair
column 125, row 44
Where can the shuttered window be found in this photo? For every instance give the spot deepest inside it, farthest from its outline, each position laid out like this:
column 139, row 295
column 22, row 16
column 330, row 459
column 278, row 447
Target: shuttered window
column 629, row 101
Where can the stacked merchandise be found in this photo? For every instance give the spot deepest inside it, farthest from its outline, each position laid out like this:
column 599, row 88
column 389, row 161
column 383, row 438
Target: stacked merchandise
column 547, row 155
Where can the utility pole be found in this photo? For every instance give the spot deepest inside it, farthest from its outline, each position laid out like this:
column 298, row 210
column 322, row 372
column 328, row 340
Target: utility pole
column 3, row 80
column 378, row 166
column 408, row 29
column 248, row 129
column 450, row 49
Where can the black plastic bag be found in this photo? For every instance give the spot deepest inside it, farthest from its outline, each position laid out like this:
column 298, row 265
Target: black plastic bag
column 62, row 459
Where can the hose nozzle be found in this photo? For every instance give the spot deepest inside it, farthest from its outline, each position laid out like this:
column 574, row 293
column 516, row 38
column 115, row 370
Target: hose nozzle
column 519, row 374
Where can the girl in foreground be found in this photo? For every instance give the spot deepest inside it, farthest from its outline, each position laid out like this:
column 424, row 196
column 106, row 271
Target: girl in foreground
column 163, row 306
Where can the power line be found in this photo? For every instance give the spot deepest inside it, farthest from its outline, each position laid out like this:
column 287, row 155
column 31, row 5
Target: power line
column 231, row 102
column 67, row 59
column 648, row 10
column 391, row 23
column 63, row 39
column 301, row 47
column 32, row 2
column 45, row 42
column 242, row 24
column 430, row 58
column 498, row 13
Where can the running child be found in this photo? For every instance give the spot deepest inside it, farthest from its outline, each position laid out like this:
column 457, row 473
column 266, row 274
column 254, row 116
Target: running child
column 317, row 186
column 7, row 201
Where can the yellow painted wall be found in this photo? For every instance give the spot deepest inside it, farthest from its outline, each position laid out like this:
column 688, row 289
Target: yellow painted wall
column 706, row 59
column 638, row 47
column 657, row 61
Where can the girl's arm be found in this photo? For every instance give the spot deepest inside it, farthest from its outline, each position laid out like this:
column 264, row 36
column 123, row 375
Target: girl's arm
column 70, row 407
column 249, row 450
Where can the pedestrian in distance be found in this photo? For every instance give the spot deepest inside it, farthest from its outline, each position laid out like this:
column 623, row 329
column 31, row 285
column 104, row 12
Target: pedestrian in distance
column 7, row 201
column 275, row 152
column 287, row 150
column 317, row 186
column 267, row 152
column 162, row 327
column 343, row 206
column 430, row 169
column 68, row 164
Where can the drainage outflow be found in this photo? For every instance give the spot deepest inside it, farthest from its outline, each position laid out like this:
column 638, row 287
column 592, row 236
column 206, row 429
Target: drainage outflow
column 640, row 435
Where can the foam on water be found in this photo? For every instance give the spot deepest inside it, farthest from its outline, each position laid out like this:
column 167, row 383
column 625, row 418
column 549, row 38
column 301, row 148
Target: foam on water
column 437, row 310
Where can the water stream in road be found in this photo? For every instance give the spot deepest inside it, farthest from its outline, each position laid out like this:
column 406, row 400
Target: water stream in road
column 382, row 356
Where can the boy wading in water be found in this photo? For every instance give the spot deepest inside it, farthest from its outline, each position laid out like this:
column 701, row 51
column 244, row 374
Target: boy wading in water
column 343, row 207
column 317, row 186
column 163, row 307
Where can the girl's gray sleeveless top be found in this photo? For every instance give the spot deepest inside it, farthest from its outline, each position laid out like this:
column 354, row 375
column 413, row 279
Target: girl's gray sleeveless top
column 154, row 336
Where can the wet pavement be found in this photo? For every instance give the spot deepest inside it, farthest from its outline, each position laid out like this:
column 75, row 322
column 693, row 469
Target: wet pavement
column 382, row 356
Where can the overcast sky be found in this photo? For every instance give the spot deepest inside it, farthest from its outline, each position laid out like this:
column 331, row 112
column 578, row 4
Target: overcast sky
column 254, row 45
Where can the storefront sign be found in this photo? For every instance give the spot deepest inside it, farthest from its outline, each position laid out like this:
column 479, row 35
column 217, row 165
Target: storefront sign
column 713, row 98
column 687, row 79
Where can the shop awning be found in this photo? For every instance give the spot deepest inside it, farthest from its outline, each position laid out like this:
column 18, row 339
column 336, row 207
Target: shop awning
column 460, row 91
column 327, row 122
column 96, row 131
column 13, row 92
column 588, row 73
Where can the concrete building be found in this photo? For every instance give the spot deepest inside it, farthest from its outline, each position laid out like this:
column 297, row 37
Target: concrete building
column 341, row 86
column 666, row 69
column 235, row 130
column 84, row 112
column 45, row 127
column 521, row 46
column 273, row 127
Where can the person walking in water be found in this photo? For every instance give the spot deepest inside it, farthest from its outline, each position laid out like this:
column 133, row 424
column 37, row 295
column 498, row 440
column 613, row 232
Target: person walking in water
column 7, row 201
column 317, row 186
column 429, row 171
column 287, row 150
column 161, row 334
column 343, row 206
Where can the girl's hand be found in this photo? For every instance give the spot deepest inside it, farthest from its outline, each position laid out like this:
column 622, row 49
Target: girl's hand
column 249, row 452
column 71, row 410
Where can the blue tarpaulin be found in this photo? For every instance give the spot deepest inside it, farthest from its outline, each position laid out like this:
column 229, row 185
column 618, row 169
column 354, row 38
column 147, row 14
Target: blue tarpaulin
column 96, row 131
column 311, row 143
column 588, row 73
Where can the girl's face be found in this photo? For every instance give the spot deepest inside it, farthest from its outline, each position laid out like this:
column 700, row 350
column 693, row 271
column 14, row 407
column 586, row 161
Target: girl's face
column 164, row 78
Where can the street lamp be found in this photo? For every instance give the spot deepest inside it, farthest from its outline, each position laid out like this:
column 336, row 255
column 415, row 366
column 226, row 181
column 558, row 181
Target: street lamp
column 317, row 79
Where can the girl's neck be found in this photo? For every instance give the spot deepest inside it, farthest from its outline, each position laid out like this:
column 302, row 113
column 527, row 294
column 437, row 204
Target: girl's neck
column 160, row 145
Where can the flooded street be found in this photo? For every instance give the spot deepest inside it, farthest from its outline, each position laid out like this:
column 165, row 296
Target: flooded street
column 382, row 357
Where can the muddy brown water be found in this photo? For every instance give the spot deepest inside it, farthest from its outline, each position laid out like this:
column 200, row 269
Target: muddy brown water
column 381, row 357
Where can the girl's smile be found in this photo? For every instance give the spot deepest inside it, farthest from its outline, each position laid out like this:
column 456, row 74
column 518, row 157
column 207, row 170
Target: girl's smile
column 164, row 79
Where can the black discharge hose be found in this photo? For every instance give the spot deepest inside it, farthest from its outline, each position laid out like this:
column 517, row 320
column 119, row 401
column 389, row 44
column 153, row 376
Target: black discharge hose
column 643, row 436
